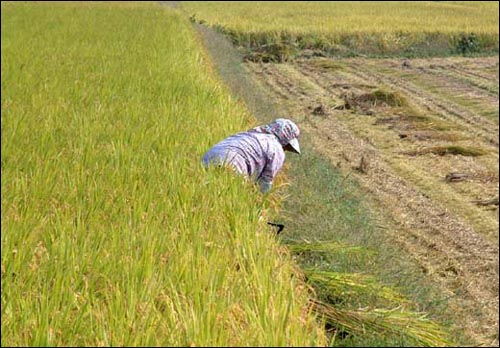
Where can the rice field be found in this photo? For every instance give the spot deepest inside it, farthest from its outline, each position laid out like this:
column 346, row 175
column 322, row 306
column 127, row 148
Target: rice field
column 112, row 232
column 350, row 16
column 351, row 28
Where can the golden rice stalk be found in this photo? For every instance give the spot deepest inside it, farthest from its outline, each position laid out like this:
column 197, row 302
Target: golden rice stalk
column 413, row 325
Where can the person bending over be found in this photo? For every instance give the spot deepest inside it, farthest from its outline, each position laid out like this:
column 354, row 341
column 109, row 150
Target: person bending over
column 258, row 153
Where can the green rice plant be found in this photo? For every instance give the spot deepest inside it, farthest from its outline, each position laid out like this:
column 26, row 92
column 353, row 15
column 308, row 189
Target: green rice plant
column 113, row 233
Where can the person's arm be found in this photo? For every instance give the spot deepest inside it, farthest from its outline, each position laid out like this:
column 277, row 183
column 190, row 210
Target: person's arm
column 275, row 158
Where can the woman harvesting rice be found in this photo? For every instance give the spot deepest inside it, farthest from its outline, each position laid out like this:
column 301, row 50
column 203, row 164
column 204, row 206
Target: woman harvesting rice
column 258, row 153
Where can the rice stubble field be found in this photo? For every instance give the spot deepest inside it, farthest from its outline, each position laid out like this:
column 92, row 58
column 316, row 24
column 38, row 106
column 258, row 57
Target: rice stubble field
column 397, row 127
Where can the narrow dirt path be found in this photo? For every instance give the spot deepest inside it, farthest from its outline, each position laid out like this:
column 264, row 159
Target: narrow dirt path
column 446, row 246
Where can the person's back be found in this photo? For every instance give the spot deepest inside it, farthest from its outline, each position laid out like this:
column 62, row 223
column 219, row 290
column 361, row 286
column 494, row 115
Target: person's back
column 257, row 153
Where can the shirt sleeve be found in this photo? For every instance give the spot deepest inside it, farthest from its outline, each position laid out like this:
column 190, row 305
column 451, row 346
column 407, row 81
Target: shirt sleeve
column 275, row 157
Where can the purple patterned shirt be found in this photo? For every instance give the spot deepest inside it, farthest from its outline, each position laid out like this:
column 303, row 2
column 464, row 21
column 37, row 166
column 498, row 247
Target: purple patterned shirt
column 252, row 153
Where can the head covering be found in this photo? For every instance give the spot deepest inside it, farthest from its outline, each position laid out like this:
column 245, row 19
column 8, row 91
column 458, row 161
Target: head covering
column 285, row 130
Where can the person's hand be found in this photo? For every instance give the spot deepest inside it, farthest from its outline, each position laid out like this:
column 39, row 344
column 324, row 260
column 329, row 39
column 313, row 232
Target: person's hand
column 265, row 186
